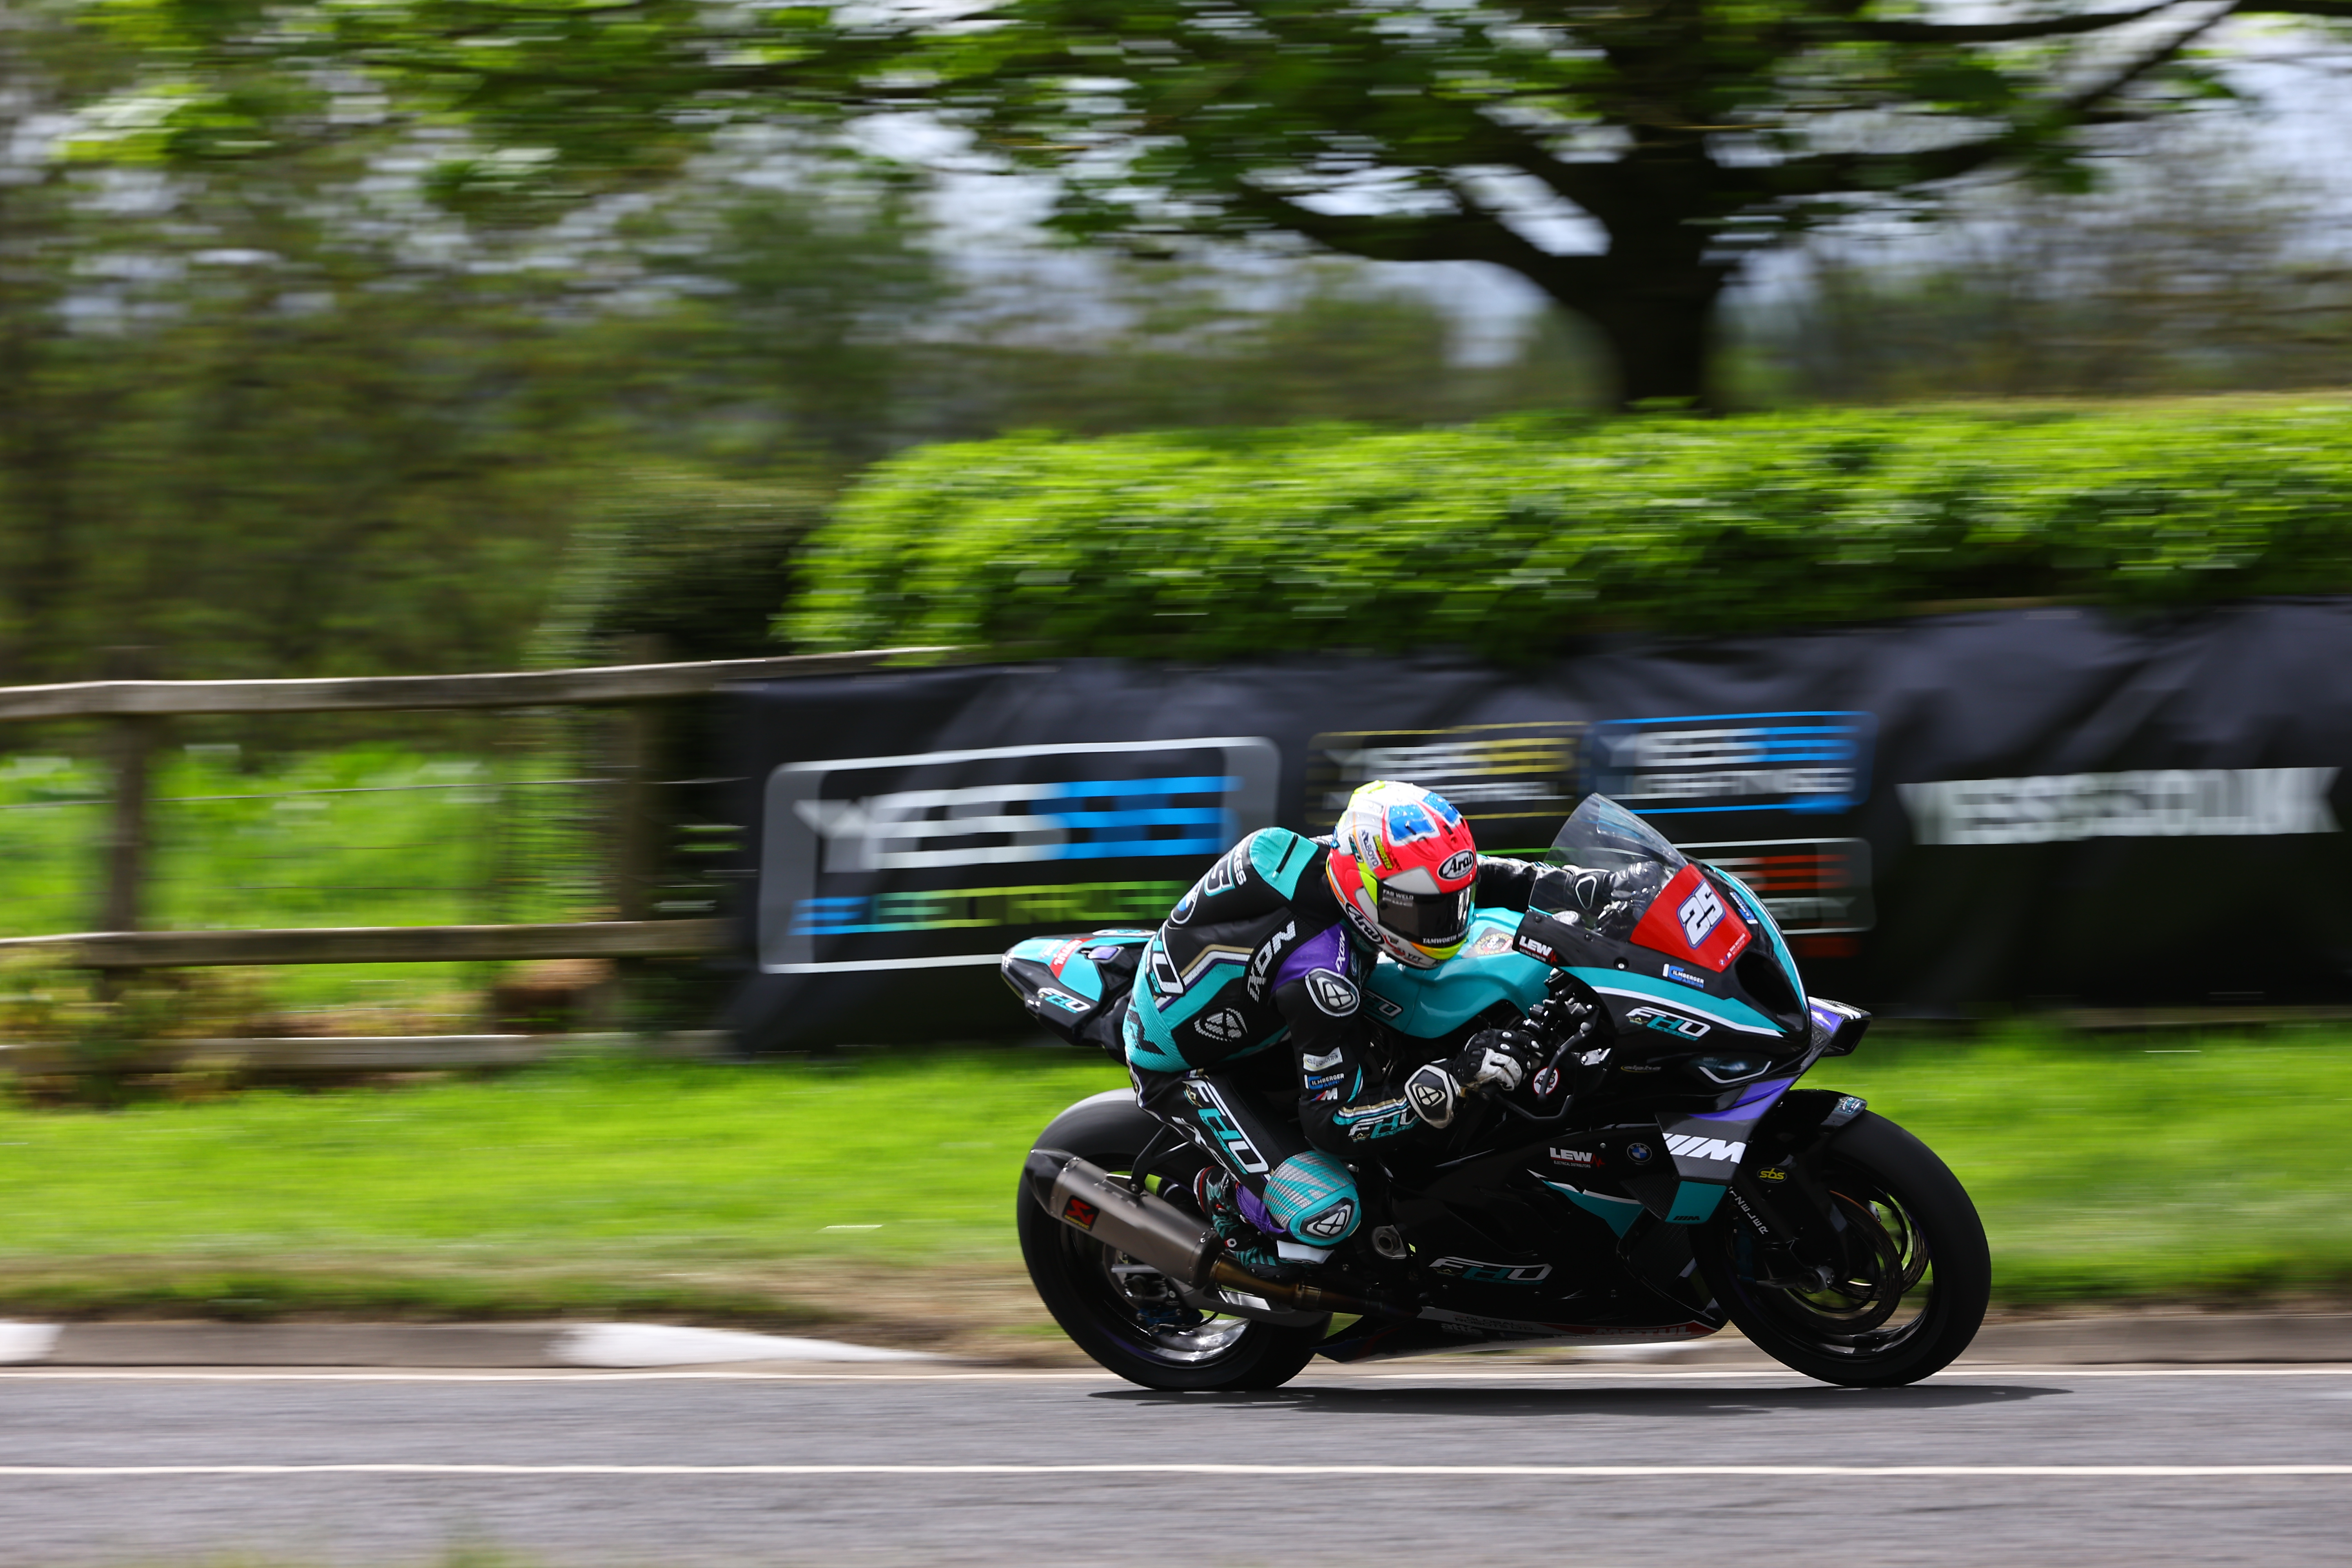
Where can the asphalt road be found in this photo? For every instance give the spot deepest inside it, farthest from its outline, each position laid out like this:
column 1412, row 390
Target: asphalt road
column 1484, row 1465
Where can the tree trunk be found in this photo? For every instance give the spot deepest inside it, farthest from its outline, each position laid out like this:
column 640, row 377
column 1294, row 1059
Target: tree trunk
column 1661, row 330
column 1652, row 297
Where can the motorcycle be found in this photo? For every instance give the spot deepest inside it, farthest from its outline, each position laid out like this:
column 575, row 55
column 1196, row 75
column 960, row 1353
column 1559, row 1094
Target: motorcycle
column 1659, row 1177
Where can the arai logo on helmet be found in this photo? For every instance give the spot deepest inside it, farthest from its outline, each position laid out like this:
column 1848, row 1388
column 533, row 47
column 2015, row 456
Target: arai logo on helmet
column 1458, row 865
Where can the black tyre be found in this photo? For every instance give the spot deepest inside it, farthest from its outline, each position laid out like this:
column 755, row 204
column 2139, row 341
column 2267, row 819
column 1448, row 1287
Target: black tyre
column 1909, row 1290
column 1126, row 1314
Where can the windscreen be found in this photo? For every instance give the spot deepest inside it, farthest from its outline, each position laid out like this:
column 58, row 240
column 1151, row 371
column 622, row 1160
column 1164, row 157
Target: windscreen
column 1614, row 865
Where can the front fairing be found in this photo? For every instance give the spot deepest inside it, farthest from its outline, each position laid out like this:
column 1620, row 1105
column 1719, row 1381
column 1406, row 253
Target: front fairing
column 1692, row 967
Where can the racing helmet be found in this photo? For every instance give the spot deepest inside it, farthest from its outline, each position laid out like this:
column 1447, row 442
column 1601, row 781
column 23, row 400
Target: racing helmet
column 1404, row 868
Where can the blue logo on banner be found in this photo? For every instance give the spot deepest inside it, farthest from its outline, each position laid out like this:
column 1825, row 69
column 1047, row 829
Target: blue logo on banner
column 1735, row 762
column 942, row 858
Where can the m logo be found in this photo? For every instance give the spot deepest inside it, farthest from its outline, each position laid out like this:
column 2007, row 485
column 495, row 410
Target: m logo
column 1687, row 1146
column 1458, row 866
column 1224, row 1026
column 1332, row 1222
column 1700, row 913
column 1331, row 992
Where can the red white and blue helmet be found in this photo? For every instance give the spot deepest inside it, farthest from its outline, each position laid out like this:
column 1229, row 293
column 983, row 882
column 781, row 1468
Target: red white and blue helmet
column 1404, row 868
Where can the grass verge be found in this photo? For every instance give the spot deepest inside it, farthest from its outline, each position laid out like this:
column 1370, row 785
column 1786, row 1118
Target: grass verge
column 868, row 1189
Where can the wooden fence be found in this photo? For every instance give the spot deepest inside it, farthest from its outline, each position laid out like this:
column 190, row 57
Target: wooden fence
column 139, row 712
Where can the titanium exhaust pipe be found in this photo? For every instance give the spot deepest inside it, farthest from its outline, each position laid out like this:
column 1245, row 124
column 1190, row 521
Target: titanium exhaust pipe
column 1085, row 1198
column 1146, row 1226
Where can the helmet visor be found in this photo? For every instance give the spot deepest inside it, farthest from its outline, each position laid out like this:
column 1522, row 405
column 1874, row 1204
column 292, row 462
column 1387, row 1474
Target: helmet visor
column 1430, row 919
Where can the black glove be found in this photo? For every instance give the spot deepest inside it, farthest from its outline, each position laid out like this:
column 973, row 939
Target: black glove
column 1498, row 1060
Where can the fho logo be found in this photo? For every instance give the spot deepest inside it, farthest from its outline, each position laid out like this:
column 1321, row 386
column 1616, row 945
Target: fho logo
column 1735, row 762
column 882, row 862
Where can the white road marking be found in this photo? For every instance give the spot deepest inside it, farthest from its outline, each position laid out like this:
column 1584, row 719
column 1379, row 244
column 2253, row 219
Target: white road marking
column 669, row 1344
column 2060, row 1472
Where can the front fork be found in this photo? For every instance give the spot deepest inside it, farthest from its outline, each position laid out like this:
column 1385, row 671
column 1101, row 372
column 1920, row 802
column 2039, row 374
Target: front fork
column 1799, row 1236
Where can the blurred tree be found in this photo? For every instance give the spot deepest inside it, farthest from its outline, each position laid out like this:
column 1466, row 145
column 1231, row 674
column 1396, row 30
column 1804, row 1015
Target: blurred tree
column 246, row 421
column 2201, row 266
column 1690, row 133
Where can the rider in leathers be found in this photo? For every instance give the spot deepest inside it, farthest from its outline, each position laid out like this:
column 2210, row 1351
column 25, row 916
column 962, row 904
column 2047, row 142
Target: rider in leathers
column 1267, row 952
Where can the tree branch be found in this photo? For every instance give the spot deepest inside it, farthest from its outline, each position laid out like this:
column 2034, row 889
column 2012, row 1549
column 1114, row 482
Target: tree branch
column 2075, row 104
column 2004, row 32
column 1464, row 236
column 2336, row 8
column 1826, row 173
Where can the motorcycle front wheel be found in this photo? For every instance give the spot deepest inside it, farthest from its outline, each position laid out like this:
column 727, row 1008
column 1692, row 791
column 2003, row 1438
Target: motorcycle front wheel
column 1123, row 1312
column 1906, row 1293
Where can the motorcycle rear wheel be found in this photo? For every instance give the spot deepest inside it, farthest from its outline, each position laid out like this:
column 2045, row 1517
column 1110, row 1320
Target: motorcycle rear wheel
column 1912, row 1292
column 1124, row 1313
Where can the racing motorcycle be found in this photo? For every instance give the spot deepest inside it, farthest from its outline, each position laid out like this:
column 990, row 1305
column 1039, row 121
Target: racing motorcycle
column 1660, row 1176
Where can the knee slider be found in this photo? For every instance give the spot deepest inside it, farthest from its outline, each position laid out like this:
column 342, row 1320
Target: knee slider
column 1315, row 1198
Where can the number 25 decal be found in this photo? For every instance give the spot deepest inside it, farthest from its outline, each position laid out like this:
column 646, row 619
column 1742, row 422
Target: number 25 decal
column 1699, row 914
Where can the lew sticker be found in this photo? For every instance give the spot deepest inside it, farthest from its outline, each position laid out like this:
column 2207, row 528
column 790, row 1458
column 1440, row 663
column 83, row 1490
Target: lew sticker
column 1331, row 992
column 1699, row 914
column 1584, row 1159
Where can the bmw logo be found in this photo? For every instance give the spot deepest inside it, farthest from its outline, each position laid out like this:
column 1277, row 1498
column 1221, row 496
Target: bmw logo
column 1638, row 1152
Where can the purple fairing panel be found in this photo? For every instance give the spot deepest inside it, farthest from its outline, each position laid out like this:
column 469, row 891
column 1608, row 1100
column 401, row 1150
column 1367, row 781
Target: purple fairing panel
column 1327, row 949
column 1824, row 1018
column 1752, row 1103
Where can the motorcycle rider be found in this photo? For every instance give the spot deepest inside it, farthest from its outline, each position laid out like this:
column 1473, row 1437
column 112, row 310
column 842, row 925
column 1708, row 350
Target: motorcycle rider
column 1267, row 953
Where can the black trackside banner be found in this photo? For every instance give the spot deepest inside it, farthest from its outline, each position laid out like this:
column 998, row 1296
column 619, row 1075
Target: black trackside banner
column 1954, row 817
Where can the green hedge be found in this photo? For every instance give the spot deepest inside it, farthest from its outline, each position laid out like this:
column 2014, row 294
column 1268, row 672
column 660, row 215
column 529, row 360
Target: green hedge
column 1512, row 538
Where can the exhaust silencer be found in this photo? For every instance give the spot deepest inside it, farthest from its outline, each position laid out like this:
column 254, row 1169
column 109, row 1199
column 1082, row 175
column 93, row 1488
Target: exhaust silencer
column 1087, row 1198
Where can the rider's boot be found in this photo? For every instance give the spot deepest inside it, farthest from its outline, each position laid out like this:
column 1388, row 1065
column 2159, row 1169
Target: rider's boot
column 1221, row 1196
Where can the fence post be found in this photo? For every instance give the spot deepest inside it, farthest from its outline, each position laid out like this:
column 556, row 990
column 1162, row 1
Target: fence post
column 636, row 816
column 133, row 742
column 131, row 745
column 636, row 846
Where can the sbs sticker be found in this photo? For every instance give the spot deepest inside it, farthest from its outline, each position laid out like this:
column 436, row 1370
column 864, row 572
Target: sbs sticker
column 1700, row 913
